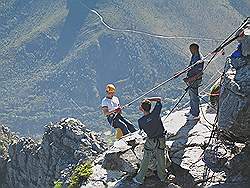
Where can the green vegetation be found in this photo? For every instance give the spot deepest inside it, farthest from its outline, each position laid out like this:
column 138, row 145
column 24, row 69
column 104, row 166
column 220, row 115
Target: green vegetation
column 58, row 184
column 1, row 147
column 81, row 173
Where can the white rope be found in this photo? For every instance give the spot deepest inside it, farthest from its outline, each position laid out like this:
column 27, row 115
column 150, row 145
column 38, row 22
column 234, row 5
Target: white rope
column 81, row 111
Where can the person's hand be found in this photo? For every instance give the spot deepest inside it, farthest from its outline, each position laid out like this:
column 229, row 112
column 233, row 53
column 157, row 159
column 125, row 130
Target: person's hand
column 155, row 99
column 118, row 110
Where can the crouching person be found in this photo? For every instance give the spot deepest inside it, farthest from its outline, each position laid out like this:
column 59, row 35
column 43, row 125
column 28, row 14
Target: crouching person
column 155, row 145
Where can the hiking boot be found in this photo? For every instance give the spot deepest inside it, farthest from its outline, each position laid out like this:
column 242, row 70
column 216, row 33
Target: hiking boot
column 193, row 118
column 171, row 178
column 136, row 181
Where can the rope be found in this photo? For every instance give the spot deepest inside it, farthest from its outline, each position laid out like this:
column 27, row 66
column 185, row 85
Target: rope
column 226, row 42
column 81, row 111
column 203, row 115
column 186, row 90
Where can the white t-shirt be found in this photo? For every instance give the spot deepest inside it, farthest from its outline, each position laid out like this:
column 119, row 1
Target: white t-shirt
column 111, row 103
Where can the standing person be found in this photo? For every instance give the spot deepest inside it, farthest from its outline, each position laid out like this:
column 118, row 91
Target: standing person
column 155, row 145
column 193, row 80
column 112, row 110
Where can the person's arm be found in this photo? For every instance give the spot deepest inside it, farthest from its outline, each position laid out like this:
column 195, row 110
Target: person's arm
column 106, row 112
column 158, row 106
column 139, row 124
column 154, row 99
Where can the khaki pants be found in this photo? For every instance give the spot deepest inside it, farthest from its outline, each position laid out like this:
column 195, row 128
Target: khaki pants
column 154, row 148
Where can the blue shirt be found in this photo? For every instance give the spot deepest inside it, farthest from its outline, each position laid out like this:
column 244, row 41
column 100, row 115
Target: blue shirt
column 151, row 124
column 237, row 53
column 197, row 68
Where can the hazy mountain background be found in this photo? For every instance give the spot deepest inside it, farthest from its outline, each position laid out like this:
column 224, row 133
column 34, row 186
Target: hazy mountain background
column 55, row 53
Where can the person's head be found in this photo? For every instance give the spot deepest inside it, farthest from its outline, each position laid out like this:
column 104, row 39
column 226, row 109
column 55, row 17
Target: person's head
column 110, row 90
column 194, row 48
column 145, row 106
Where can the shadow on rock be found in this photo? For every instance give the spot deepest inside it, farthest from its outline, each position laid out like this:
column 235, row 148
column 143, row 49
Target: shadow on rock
column 181, row 138
column 182, row 179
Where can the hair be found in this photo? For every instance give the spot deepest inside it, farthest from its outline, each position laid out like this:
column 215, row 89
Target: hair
column 146, row 105
column 194, row 45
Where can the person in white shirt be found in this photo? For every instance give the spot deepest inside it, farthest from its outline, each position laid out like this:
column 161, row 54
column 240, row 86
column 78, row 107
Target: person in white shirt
column 112, row 110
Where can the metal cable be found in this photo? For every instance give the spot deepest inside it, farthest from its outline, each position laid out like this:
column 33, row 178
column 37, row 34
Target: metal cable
column 186, row 90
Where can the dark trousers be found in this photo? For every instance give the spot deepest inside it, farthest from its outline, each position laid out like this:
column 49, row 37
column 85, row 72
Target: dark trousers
column 194, row 101
column 120, row 122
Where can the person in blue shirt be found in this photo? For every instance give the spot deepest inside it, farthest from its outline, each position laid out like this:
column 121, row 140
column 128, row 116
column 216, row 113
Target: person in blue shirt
column 193, row 80
column 237, row 53
column 155, row 145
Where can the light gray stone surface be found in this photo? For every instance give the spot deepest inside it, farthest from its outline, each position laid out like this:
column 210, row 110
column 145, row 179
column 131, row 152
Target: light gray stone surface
column 64, row 144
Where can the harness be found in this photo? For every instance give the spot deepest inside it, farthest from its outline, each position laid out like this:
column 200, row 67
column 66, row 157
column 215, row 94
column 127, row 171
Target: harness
column 157, row 145
column 112, row 117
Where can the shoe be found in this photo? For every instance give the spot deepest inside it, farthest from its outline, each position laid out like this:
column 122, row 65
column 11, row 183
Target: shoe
column 187, row 114
column 193, row 118
column 136, row 181
column 171, row 178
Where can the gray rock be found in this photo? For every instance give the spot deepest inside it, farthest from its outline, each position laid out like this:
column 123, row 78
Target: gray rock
column 122, row 156
column 97, row 147
column 31, row 164
column 234, row 112
column 3, row 165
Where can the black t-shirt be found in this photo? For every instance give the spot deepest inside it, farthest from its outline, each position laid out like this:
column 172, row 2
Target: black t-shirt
column 152, row 124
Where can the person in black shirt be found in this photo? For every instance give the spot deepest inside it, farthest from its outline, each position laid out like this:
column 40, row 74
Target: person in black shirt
column 155, row 144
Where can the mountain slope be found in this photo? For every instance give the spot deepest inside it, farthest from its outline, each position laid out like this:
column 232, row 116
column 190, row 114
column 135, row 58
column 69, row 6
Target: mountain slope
column 56, row 54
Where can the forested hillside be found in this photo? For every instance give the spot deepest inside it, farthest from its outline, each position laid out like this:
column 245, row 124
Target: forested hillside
column 56, row 56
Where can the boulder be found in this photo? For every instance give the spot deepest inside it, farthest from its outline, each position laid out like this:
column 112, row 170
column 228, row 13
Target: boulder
column 234, row 111
column 33, row 164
